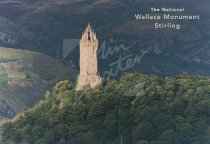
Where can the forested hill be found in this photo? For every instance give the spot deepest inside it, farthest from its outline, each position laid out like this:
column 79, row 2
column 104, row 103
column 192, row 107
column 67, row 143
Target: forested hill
column 137, row 109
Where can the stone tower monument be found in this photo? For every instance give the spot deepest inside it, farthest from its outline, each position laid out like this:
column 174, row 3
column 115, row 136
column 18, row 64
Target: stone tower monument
column 89, row 74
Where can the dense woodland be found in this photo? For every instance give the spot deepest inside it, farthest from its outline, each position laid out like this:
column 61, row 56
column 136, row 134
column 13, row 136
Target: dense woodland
column 137, row 109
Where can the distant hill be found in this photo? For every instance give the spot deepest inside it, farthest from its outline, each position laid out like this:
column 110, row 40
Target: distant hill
column 42, row 25
column 138, row 109
column 25, row 76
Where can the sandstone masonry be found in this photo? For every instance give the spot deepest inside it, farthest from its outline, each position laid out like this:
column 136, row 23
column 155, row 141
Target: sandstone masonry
column 89, row 74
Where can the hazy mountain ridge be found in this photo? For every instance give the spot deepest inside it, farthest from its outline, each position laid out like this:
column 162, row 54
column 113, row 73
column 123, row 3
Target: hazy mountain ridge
column 42, row 26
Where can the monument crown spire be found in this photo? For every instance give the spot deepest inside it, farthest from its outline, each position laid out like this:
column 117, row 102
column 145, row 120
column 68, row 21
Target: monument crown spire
column 89, row 34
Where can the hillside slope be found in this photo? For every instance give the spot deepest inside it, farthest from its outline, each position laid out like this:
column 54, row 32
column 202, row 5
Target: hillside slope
column 138, row 109
column 24, row 76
